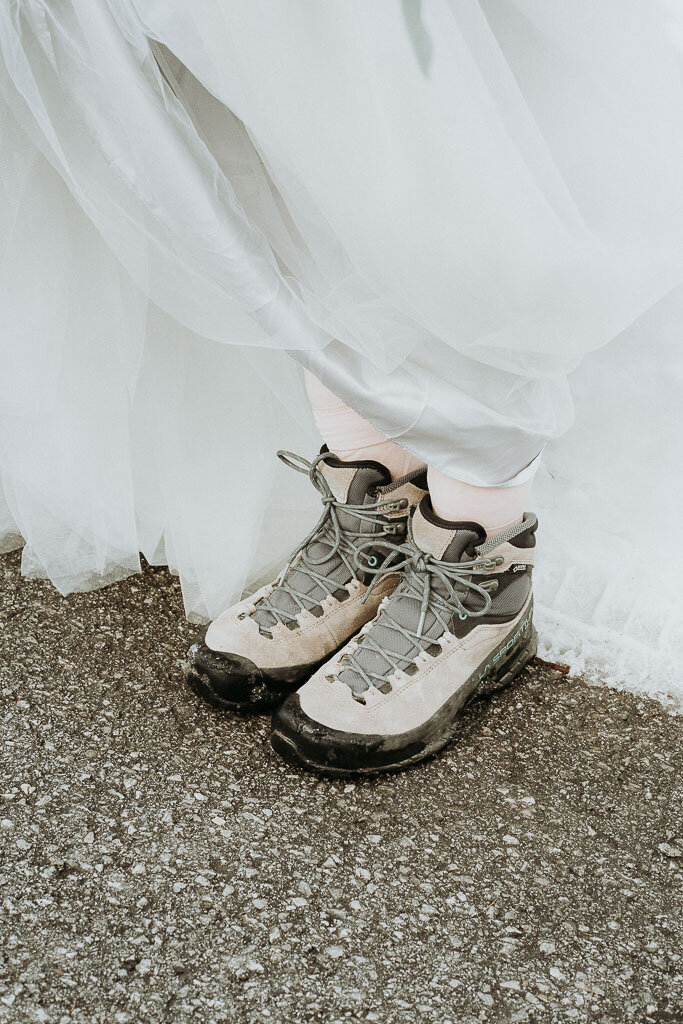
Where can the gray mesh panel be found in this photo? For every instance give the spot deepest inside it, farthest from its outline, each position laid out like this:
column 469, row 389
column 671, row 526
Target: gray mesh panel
column 333, row 568
column 511, row 599
column 405, row 609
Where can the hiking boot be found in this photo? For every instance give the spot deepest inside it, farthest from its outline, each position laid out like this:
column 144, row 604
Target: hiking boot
column 458, row 625
column 268, row 644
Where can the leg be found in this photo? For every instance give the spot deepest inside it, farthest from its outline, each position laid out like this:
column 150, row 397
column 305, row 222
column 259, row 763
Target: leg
column 351, row 437
column 494, row 508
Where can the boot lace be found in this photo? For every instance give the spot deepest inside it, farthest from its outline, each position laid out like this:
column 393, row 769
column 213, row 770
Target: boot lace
column 340, row 540
column 442, row 588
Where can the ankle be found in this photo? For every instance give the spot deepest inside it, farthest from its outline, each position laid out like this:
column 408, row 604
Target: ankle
column 493, row 508
column 352, row 438
column 397, row 460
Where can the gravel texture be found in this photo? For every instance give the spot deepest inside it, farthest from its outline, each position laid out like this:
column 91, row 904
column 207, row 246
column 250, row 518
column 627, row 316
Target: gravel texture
column 159, row 863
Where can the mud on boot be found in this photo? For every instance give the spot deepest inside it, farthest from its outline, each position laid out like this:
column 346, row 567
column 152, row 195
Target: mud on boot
column 458, row 625
column 262, row 648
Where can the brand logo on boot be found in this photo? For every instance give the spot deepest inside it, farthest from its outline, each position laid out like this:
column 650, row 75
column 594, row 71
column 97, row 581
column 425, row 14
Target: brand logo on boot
column 507, row 647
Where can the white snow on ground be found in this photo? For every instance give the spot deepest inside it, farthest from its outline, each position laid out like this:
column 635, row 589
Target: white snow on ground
column 609, row 586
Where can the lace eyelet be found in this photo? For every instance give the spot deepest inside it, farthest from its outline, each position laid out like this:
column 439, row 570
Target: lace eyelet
column 373, row 561
column 461, row 616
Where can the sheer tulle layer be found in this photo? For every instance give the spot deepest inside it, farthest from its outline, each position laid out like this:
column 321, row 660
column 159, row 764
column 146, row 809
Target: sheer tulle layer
column 466, row 203
column 122, row 431
column 437, row 208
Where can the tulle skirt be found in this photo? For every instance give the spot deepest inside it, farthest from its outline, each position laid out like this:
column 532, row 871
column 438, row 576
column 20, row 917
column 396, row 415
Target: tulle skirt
column 439, row 208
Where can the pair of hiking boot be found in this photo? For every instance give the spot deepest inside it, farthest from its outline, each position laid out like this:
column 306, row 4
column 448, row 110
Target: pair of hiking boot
column 384, row 623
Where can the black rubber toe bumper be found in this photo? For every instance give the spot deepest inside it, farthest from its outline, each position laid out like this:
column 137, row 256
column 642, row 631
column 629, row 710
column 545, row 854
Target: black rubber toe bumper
column 233, row 683
column 305, row 742
column 309, row 744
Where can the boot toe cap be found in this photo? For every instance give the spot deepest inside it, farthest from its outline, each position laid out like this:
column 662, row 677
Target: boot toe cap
column 227, row 680
column 303, row 741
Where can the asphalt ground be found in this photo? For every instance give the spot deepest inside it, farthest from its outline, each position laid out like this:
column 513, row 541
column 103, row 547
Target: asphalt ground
column 158, row 862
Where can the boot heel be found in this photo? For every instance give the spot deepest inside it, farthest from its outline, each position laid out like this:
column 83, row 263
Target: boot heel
column 511, row 668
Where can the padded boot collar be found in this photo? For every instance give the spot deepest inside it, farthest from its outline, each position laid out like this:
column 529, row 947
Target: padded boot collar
column 434, row 535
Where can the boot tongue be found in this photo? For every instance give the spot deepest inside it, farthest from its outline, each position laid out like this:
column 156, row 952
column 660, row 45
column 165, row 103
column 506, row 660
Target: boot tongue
column 444, row 540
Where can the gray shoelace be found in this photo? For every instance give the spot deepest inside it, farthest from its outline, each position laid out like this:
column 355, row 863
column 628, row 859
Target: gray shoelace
column 441, row 588
column 338, row 540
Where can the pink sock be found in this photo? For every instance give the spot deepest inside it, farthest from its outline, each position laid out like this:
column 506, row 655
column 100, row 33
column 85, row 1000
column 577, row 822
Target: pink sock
column 350, row 437
column 494, row 508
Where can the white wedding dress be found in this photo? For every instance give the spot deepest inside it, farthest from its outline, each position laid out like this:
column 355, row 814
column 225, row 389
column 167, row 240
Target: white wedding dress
column 438, row 207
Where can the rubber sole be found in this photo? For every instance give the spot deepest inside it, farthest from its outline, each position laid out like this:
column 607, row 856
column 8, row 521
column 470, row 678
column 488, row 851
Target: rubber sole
column 200, row 684
column 496, row 673
column 254, row 690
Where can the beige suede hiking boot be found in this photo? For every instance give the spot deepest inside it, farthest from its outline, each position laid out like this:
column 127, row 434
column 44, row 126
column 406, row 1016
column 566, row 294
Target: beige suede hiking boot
column 458, row 625
column 268, row 644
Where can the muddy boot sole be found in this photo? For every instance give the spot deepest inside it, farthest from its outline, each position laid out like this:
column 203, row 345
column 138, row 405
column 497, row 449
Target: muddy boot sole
column 308, row 744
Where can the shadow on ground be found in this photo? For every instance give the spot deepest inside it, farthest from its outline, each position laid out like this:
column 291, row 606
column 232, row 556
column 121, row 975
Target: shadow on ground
column 159, row 863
